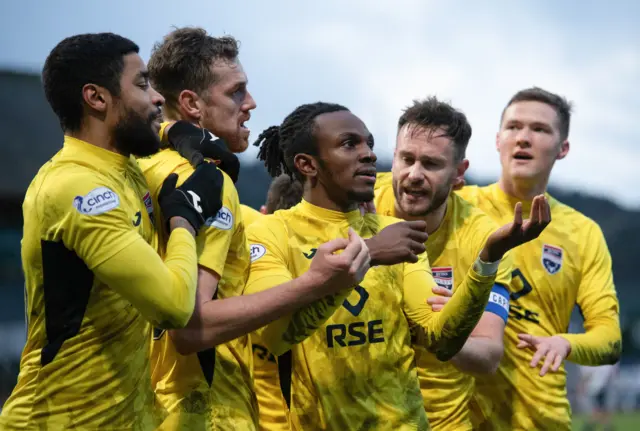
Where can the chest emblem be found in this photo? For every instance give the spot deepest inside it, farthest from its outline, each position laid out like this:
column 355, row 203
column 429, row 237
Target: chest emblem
column 551, row 258
column 443, row 276
column 148, row 204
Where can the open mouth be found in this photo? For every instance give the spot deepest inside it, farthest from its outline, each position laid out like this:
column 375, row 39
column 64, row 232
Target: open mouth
column 414, row 193
column 523, row 156
column 369, row 174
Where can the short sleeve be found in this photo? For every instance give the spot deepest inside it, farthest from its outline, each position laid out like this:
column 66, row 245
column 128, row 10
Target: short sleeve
column 268, row 251
column 215, row 236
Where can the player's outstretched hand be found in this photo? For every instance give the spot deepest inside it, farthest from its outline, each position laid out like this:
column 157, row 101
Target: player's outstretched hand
column 553, row 349
column 399, row 242
column 197, row 199
column 518, row 231
column 341, row 271
column 438, row 302
column 195, row 144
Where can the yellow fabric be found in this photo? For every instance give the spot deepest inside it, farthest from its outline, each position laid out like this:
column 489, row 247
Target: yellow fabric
column 358, row 368
column 271, row 405
column 179, row 381
column 249, row 215
column 87, row 247
column 452, row 249
column 569, row 263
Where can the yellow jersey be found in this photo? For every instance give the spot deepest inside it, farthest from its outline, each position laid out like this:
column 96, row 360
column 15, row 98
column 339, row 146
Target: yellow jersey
column 351, row 364
column 212, row 389
column 85, row 364
column 249, row 215
column 271, row 404
column 568, row 263
column 452, row 250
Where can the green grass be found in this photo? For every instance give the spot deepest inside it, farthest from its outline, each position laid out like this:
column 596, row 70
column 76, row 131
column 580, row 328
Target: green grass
column 622, row 422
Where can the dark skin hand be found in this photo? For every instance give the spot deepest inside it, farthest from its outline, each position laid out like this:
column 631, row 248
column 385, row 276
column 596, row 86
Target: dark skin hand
column 397, row 243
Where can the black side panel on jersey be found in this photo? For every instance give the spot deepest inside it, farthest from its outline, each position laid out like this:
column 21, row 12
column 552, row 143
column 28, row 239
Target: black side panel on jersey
column 207, row 358
column 285, row 368
column 67, row 286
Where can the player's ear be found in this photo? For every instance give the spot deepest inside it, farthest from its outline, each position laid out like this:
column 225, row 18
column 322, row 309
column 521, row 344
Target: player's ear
column 564, row 150
column 461, row 169
column 263, row 209
column 189, row 105
column 96, row 97
column 306, row 165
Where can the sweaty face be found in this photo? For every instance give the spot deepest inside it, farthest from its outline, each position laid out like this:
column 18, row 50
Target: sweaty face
column 529, row 141
column 347, row 163
column 424, row 169
column 140, row 112
column 227, row 105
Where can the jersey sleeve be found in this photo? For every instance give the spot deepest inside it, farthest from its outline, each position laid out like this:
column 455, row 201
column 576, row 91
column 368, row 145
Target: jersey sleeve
column 90, row 217
column 499, row 301
column 444, row 333
column 269, row 268
column 601, row 343
column 214, row 238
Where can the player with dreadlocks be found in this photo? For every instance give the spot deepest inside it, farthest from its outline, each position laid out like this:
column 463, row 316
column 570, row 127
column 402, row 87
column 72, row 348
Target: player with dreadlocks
column 350, row 365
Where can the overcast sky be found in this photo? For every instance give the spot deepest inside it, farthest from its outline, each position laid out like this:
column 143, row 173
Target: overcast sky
column 376, row 56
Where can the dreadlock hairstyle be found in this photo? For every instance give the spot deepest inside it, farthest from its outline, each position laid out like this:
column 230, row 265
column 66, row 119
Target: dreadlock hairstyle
column 280, row 144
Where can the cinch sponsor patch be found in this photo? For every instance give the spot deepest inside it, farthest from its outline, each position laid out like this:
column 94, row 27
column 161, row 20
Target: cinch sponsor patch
column 223, row 220
column 257, row 251
column 443, row 276
column 97, row 201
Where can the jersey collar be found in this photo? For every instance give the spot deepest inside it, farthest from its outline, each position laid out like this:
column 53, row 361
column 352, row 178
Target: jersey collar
column 331, row 216
column 95, row 156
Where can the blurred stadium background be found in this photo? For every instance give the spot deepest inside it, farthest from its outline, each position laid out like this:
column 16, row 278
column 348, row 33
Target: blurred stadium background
column 287, row 47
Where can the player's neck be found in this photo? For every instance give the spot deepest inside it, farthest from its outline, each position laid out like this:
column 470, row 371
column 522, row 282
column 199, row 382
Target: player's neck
column 319, row 197
column 97, row 136
column 525, row 190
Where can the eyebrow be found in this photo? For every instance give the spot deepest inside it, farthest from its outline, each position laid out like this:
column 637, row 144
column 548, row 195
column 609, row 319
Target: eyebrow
column 143, row 74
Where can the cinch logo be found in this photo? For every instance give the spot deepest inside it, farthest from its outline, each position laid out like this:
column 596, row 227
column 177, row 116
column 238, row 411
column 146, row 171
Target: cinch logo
column 257, row 251
column 97, row 201
column 223, row 220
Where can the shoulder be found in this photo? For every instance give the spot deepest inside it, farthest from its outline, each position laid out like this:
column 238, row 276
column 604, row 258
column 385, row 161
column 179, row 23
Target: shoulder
column 79, row 187
column 469, row 218
column 471, row 194
column 249, row 215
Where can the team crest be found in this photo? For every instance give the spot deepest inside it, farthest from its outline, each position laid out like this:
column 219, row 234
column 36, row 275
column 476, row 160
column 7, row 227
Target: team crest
column 148, row 204
column 443, row 276
column 551, row 258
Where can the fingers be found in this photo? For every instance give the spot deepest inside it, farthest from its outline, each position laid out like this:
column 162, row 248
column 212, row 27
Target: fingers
column 169, row 184
column 548, row 361
column 361, row 263
column 353, row 248
column 556, row 363
column 541, row 352
column 439, row 300
column 524, row 345
column 370, row 207
column 417, row 247
column 527, row 338
column 517, row 215
column 535, row 215
column 442, row 291
column 334, row 245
